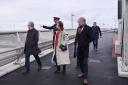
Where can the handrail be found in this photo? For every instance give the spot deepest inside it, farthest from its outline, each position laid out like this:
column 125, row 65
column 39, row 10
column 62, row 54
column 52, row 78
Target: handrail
column 25, row 31
column 19, row 51
column 13, row 49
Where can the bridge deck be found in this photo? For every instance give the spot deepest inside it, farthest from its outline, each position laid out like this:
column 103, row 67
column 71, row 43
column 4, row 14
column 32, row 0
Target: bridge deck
column 102, row 69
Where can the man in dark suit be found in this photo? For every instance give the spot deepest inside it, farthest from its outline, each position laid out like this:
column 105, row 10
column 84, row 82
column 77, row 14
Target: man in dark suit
column 83, row 38
column 96, row 33
column 31, row 47
column 54, row 27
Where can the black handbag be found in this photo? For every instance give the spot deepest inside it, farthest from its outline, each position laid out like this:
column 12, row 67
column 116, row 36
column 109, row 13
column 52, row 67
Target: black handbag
column 63, row 47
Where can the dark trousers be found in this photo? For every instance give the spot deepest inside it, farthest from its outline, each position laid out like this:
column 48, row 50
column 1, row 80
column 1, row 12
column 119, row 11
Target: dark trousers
column 84, row 66
column 59, row 67
column 95, row 43
column 83, row 61
column 27, row 61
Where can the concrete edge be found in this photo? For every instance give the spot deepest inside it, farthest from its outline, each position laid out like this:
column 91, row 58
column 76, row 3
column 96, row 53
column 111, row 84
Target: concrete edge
column 120, row 72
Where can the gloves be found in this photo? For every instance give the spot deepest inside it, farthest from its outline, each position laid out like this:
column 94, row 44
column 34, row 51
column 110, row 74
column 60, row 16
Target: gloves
column 44, row 26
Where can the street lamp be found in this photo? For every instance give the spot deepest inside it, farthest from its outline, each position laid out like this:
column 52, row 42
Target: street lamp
column 72, row 21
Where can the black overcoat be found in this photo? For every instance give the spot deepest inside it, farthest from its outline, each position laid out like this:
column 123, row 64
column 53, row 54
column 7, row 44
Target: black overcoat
column 31, row 44
column 83, row 39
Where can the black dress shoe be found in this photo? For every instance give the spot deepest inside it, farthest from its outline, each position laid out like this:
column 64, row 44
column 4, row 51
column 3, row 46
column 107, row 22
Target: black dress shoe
column 80, row 76
column 39, row 68
column 57, row 71
column 85, row 84
column 26, row 72
column 64, row 71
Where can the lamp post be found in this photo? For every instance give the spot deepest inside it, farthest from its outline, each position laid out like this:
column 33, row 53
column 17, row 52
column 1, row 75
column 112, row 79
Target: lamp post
column 72, row 21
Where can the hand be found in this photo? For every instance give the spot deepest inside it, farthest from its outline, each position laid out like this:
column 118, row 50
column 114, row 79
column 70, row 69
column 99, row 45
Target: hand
column 43, row 26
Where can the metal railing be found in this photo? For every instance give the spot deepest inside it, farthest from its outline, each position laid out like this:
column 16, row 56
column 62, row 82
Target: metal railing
column 13, row 54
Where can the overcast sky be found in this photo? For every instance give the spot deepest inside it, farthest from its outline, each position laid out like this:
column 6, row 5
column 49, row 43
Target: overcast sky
column 19, row 12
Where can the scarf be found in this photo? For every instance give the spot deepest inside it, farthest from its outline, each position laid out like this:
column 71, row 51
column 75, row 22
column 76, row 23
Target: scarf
column 57, row 36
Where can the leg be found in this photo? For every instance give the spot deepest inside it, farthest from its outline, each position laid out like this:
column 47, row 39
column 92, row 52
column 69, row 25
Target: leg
column 85, row 64
column 58, row 69
column 64, row 69
column 81, row 67
column 27, row 62
column 94, row 43
column 80, row 54
column 78, row 64
column 97, row 44
column 38, row 62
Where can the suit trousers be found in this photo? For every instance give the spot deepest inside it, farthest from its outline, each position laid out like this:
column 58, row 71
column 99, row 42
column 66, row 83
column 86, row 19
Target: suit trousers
column 95, row 43
column 27, row 61
column 83, row 62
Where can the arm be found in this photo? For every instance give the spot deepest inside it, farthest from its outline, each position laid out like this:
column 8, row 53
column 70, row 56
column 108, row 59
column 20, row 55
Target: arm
column 76, row 38
column 35, row 38
column 49, row 27
column 100, row 31
column 89, row 37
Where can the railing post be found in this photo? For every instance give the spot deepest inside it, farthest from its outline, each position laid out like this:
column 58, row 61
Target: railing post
column 19, row 51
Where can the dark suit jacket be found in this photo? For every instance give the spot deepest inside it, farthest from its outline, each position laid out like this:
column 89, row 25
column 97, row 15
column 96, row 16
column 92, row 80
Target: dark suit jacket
column 31, row 44
column 96, row 32
column 83, row 39
column 54, row 28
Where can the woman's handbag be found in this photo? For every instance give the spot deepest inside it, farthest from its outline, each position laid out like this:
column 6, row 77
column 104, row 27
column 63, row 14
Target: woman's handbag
column 62, row 47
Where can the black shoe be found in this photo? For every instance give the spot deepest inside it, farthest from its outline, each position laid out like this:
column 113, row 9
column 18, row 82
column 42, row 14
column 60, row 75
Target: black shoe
column 64, row 71
column 85, row 84
column 80, row 76
column 39, row 68
column 57, row 71
column 26, row 72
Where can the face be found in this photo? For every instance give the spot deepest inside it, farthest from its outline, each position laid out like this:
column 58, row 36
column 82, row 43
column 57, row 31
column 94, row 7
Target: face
column 29, row 26
column 94, row 23
column 81, row 22
column 56, row 21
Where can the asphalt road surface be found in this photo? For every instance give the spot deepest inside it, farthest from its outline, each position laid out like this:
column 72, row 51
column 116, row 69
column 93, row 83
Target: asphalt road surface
column 102, row 69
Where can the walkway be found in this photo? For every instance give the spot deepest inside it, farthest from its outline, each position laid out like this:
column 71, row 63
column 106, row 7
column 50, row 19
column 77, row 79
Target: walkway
column 102, row 69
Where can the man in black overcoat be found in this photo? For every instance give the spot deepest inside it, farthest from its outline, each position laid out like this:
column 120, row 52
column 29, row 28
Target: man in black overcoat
column 31, row 47
column 83, row 38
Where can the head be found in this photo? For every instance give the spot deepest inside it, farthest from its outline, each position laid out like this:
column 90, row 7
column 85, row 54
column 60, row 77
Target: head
column 56, row 19
column 81, row 21
column 60, row 25
column 94, row 23
column 30, row 25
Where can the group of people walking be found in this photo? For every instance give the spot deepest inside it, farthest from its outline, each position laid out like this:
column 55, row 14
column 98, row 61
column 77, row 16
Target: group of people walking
column 84, row 36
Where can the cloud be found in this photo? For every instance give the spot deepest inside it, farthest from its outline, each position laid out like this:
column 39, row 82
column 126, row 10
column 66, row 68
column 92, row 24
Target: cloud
column 42, row 11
